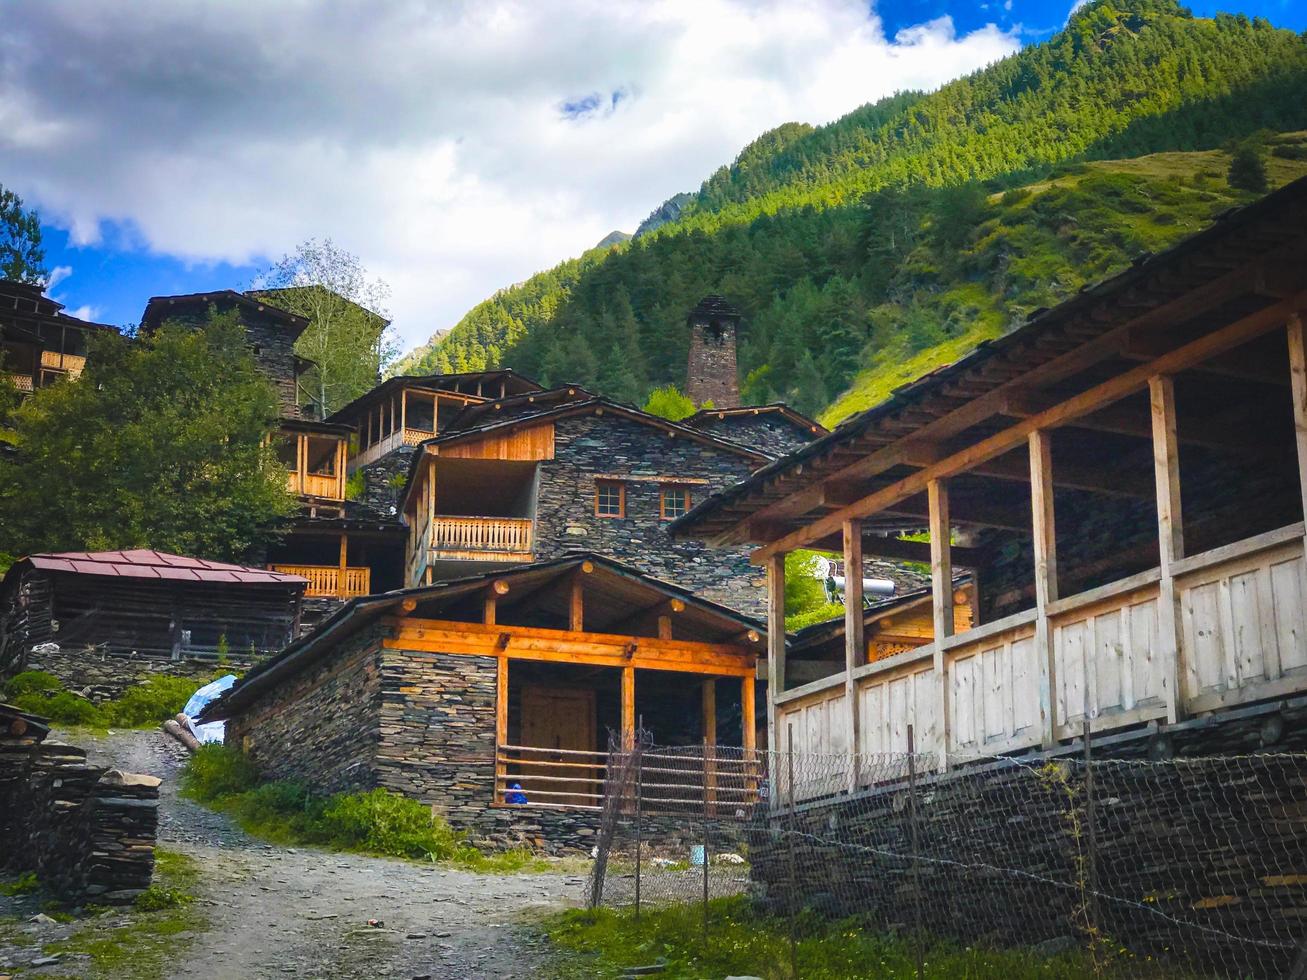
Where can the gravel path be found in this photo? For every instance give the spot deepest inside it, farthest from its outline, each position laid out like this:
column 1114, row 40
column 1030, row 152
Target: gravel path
column 299, row 912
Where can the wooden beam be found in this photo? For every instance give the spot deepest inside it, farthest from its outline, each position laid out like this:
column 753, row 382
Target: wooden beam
column 748, row 721
column 971, row 509
column 1044, row 533
column 1092, row 479
column 561, row 646
column 941, row 592
column 1240, row 364
column 775, row 652
column 488, row 612
column 1170, row 540
column 576, row 606
column 1064, row 413
column 709, row 705
column 855, row 644
column 344, row 564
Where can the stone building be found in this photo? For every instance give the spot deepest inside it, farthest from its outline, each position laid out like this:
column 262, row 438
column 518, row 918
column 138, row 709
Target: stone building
column 713, row 375
column 492, row 697
column 39, row 343
column 536, row 475
column 99, row 620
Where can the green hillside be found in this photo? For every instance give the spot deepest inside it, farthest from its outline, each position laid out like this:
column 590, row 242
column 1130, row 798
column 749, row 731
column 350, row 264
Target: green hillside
column 866, row 251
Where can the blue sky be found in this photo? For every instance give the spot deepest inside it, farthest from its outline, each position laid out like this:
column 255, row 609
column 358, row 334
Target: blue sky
column 456, row 147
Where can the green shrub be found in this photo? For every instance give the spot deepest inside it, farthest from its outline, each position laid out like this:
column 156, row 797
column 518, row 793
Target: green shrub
column 383, row 822
column 158, row 897
column 31, row 682
column 144, row 705
column 215, row 771
column 22, row 885
column 152, row 701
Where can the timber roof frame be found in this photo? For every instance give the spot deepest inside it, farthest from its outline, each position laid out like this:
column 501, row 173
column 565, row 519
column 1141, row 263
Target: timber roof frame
column 364, row 610
column 1238, row 256
column 432, row 382
column 592, row 405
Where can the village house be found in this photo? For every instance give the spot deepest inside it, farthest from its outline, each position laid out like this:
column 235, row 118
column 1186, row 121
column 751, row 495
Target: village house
column 1121, row 478
column 99, row 620
column 492, row 696
column 39, row 343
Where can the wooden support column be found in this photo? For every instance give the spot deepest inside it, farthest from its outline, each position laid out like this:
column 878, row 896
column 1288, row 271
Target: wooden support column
column 941, row 593
column 1298, row 383
column 855, row 646
column 344, row 565
column 628, row 708
column 709, row 691
column 1044, row 529
column 1170, row 540
column 576, row 606
column 748, row 730
column 501, row 726
column 775, row 659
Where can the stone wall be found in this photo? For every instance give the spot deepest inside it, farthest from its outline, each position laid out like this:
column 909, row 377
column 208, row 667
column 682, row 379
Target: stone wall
column 712, row 375
column 588, row 445
column 321, row 725
column 384, row 482
column 102, row 676
column 1218, row 844
column 87, row 833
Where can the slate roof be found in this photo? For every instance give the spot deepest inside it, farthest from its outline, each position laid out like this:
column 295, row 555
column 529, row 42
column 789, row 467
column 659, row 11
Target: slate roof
column 146, row 564
column 795, row 418
column 713, row 306
column 614, row 591
column 159, row 307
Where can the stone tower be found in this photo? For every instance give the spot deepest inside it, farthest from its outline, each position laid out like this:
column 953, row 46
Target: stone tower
column 712, row 371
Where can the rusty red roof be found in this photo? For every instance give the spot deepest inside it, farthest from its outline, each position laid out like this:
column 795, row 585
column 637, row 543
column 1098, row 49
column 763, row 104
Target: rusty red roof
column 144, row 563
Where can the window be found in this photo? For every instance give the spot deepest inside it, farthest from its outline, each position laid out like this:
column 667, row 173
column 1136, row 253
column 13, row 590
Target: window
column 288, row 451
column 673, row 502
column 610, row 498
column 321, row 455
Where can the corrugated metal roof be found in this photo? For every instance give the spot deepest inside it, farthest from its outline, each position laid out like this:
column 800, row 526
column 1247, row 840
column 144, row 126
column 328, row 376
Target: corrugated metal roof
column 145, row 563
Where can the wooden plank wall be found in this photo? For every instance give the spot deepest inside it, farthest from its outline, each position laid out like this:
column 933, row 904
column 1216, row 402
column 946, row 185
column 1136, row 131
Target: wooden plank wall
column 533, row 442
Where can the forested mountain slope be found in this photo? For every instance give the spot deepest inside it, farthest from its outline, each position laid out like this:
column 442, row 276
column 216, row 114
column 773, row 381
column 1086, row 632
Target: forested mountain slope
column 893, row 239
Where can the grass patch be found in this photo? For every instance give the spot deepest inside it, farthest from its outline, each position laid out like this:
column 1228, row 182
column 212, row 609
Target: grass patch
column 376, row 822
column 741, row 941
column 22, row 885
column 146, row 946
column 149, row 703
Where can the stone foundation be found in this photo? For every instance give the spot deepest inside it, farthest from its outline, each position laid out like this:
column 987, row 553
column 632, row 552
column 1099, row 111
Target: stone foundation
column 87, row 833
column 105, row 676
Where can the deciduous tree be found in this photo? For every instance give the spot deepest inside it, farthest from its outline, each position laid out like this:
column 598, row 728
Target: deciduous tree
column 21, row 256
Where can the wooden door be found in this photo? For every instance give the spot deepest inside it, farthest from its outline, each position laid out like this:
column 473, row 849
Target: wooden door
column 560, row 718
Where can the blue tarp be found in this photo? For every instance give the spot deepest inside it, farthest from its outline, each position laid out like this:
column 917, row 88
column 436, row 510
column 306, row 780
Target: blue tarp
column 214, row 730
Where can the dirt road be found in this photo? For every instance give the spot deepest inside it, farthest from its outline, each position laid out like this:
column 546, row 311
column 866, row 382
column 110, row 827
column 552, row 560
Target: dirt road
column 297, row 912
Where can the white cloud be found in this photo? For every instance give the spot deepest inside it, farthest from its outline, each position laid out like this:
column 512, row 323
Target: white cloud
column 456, row 147
column 57, row 275
column 85, row 312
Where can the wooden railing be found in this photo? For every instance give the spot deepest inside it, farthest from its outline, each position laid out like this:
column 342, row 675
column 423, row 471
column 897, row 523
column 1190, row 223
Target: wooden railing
column 494, row 535
column 400, row 437
column 1241, row 637
column 72, row 363
column 316, row 485
column 324, row 580
column 23, row 382
column 569, row 779
column 413, row 436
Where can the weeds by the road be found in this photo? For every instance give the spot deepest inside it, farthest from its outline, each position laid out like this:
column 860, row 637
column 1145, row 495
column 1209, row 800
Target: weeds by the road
column 376, row 822
column 740, row 940
column 127, row 944
column 153, row 700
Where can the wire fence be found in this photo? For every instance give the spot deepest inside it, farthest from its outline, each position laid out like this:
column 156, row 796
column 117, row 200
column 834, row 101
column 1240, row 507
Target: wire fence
column 1183, row 868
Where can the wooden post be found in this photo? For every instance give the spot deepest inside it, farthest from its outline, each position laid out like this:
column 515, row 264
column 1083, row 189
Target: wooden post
column 489, row 617
column 501, row 726
column 855, row 646
column 403, row 412
column 344, row 564
column 1298, row 382
column 1170, row 540
column 709, row 692
column 941, row 590
column 748, row 736
column 775, row 654
column 628, row 708
column 576, row 606
column 1045, row 547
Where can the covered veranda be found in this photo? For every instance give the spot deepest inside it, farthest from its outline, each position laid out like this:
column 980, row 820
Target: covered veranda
column 1121, row 477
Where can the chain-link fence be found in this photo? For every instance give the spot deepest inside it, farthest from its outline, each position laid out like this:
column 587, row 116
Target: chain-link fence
column 1189, row 867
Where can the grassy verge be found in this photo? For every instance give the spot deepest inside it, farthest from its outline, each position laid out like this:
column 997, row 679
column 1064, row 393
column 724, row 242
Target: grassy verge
column 140, row 944
column 740, row 941
column 376, row 822
column 152, row 701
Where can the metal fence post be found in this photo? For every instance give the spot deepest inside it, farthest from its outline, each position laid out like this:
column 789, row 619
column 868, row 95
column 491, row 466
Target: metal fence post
column 794, row 884
column 639, row 813
column 1091, row 871
column 705, row 839
column 916, row 861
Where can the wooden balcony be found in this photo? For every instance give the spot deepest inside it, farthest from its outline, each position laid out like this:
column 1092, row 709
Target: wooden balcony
column 383, row 447
column 315, row 485
column 325, row 580
column 72, row 363
column 1241, row 636
column 23, row 382
column 482, row 538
